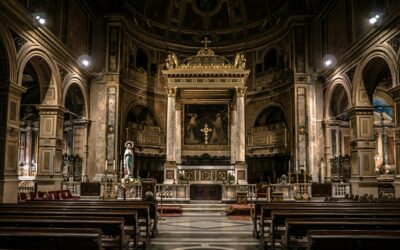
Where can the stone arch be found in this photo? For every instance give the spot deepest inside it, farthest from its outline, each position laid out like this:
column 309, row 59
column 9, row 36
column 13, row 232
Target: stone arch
column 340, row 82
column 270, row 105
column 73, row 80
column 10, row 52
column 143, row 104
column 381, row 53
column 48, row 66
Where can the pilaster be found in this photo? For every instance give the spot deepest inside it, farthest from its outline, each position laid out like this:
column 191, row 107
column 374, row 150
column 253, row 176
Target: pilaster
column 362, row 146
column 10, row 96
column 49, row 175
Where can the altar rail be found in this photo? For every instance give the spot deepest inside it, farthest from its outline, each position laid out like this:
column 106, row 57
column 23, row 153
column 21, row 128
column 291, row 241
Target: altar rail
column 231, row 192
column 340, row 190
column 181, row 192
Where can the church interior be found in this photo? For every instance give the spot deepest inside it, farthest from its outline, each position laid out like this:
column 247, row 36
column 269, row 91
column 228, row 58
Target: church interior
column 199, row 124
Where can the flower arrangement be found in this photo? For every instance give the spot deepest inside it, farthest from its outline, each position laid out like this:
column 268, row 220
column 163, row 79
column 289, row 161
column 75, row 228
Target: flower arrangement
column 182, row 178
column 128, row 181
column 231, row 178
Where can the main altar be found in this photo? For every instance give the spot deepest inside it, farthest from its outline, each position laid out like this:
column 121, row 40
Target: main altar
column 205, row 137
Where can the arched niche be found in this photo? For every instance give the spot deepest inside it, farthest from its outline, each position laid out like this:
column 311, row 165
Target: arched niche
column 36, row 77
column 269, row 146
column 143, row 128
column 74, row 133
column 271, row 116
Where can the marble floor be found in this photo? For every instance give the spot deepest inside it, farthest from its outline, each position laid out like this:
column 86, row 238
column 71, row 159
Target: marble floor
column 204, row 231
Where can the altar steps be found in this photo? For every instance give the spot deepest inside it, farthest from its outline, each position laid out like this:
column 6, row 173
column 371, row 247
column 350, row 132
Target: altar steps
column 201, row 208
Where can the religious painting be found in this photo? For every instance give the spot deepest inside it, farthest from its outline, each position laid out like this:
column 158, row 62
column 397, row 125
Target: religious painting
column 221, row 175
column 169, row 174
column 205, row 175
column 189, row 174
column 241, row 174
column 206, row 124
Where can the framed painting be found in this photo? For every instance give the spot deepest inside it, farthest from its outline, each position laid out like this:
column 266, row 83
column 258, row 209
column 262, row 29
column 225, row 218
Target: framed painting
column 206, row 124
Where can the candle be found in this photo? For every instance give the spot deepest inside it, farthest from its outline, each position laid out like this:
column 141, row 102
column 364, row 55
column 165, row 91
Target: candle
column 114, row 165
column 105, row 168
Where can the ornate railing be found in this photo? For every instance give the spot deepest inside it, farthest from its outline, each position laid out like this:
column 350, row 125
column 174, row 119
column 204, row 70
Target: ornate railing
column 73, row 186
column 340, row 190
column 173, row 191
column 231, row 192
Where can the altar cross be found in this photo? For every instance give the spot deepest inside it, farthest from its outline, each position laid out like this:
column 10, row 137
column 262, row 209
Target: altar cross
column 205, row 130
column 205, row 41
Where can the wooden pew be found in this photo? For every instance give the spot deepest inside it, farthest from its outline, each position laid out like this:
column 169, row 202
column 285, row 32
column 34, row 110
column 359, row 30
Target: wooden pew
column 50, row 238
column 144, row 212
column 147, row 209
column 112, row 227
column 130, row 216
column 278, row 217
column 298, row 227
column 263, row 210
column 353, row 239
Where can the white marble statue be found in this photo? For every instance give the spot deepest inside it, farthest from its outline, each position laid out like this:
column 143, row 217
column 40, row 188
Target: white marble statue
column 128, row 158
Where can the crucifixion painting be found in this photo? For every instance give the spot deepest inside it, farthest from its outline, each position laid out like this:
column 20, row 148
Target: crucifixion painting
column 206, row 124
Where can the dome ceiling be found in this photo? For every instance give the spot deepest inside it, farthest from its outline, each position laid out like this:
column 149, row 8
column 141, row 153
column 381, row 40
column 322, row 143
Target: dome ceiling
column 225, row 21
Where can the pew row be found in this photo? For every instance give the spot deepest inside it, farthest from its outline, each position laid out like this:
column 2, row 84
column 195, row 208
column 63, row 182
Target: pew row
column 50, row 238
column 353, row 239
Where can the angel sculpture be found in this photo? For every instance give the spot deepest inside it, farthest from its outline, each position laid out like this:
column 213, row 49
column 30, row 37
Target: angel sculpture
column 172, row 61
column 240, row 61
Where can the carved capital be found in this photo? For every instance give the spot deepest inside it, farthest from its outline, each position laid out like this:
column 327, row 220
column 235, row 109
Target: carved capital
column 240, row 92
column 171, row 91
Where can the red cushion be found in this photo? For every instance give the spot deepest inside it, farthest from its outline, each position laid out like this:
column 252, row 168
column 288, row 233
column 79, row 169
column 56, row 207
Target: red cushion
column 55, row 195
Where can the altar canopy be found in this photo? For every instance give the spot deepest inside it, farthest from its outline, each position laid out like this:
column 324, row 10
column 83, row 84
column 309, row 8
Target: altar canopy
column 205, row 118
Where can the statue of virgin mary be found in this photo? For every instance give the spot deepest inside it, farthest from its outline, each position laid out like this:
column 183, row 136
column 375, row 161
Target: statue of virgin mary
column 128, row 158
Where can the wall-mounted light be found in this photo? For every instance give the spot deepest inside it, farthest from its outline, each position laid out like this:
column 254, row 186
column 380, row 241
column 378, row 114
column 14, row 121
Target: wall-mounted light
column 375, row 18
column 84, row 61
column 40, row 18
column 329, row 61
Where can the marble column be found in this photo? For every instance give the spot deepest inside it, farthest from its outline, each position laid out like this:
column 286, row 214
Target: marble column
column 10, row 96
column 363, row 178
column 81, row 143
column 178, row 133
column 28, row 149
column 327, row 150
column 240, row 165
column 170, row 172
column 233, row 132
column 49, row 174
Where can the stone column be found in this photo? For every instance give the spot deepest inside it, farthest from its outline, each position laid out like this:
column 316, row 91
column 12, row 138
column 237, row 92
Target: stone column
column 233, row 131
column 240, row 164
column 170, row 173
column 363, row 178
column 81, row 143
column 327, row 150
column 49, row 175
column 178, row 133
column 396, row 99
column 10, row 95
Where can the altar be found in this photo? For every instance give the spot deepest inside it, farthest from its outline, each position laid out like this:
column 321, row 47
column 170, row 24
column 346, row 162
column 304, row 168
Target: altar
column 206, row 192
column 205, row 137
